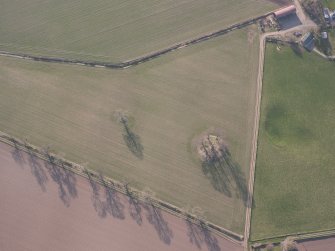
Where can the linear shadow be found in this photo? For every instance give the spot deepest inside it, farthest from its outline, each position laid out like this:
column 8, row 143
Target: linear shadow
column 218, row 177
column 65, row 180
column 200, row 235
column 225, row 174
column 37, row 170
column 106, row 203
column 132, row 140
column 237, row 175
column 155, row 218
column 98, row 204
column 135, row 208
column 210, row 240
column 113, row 204
column 194, row 233
column 17, row 155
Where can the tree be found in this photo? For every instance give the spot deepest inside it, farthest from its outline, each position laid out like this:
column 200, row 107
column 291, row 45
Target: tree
column 289, row 244
column 269, row 247
column 148, row 195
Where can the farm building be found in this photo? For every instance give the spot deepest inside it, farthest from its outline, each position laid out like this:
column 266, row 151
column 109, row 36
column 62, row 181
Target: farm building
column 308, row 41
column 283, row 12
column 287, row 17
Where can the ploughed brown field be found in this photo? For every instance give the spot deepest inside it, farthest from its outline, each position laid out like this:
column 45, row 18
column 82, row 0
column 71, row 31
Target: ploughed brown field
column 322, row 244
column 47, row 208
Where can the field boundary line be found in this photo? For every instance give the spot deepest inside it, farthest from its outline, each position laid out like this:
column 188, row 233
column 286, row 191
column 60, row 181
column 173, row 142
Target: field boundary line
column 255, row 139
column 142, row 59
column 117, row 186
column 299, row 237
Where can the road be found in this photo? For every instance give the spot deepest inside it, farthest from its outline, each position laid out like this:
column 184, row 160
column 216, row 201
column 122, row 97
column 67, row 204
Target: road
column 47, row 208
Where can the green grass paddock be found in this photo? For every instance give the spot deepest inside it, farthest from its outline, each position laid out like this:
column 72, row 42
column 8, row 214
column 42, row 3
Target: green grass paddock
column 295, row 170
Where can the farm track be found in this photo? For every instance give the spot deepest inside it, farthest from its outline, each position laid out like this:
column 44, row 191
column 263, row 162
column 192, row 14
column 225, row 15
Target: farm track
column 139, row 60
column 307, row 24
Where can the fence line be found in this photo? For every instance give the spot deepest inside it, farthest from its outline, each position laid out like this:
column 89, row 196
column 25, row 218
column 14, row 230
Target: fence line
column 139, row 60
column 116, row 185
column 299, row 237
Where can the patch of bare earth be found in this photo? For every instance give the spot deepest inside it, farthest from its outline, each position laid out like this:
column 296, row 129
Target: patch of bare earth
column 44, row 207
column 321, row 244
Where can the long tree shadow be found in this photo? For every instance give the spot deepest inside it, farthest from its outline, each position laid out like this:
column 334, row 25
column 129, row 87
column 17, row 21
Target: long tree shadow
column 132, row 140
column 200, row 235
column 106, row 203
column 17, row 154
column 113, row 204
column 37, row 170
column 194, row 233
column 224, row 173
column 135, row 208
column 65, row 179
column 210, row 240
column 237, row 175
column 155, row 217
column 98, row 204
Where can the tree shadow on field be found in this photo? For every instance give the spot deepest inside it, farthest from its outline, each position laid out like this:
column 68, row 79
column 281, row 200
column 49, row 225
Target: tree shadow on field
column 106, row 203
column 132, row 140
column 135, row 208
column 155, row 218
column 113, row 204
column 65, row 179
column 17, row 155
column 194, row 233
column 225, row 174
column 200, row 234
column 37, row 170
column 98, row 204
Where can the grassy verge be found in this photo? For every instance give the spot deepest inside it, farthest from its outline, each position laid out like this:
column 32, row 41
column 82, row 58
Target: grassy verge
column 168, row 101
column 295, row 160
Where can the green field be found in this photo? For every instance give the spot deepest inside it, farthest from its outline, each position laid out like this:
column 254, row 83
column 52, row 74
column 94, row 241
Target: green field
column 114, row 30
column 294, row 187
column 170, row 101
column 332, row 40
column 329, row 3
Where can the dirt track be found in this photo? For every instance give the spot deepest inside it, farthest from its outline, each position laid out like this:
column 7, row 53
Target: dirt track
column 306, row 24
column 45, row 208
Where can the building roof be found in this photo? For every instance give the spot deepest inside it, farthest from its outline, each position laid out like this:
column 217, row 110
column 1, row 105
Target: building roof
column 308, row 41
column 285, row 11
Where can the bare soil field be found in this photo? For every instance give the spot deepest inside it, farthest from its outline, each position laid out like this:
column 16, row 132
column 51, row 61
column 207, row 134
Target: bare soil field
column 115, row 30
column 44, row 207
column 322, row 244
column 169, row 102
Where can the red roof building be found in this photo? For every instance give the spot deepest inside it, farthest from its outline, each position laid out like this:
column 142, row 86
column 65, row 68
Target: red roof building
column 285, row 11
